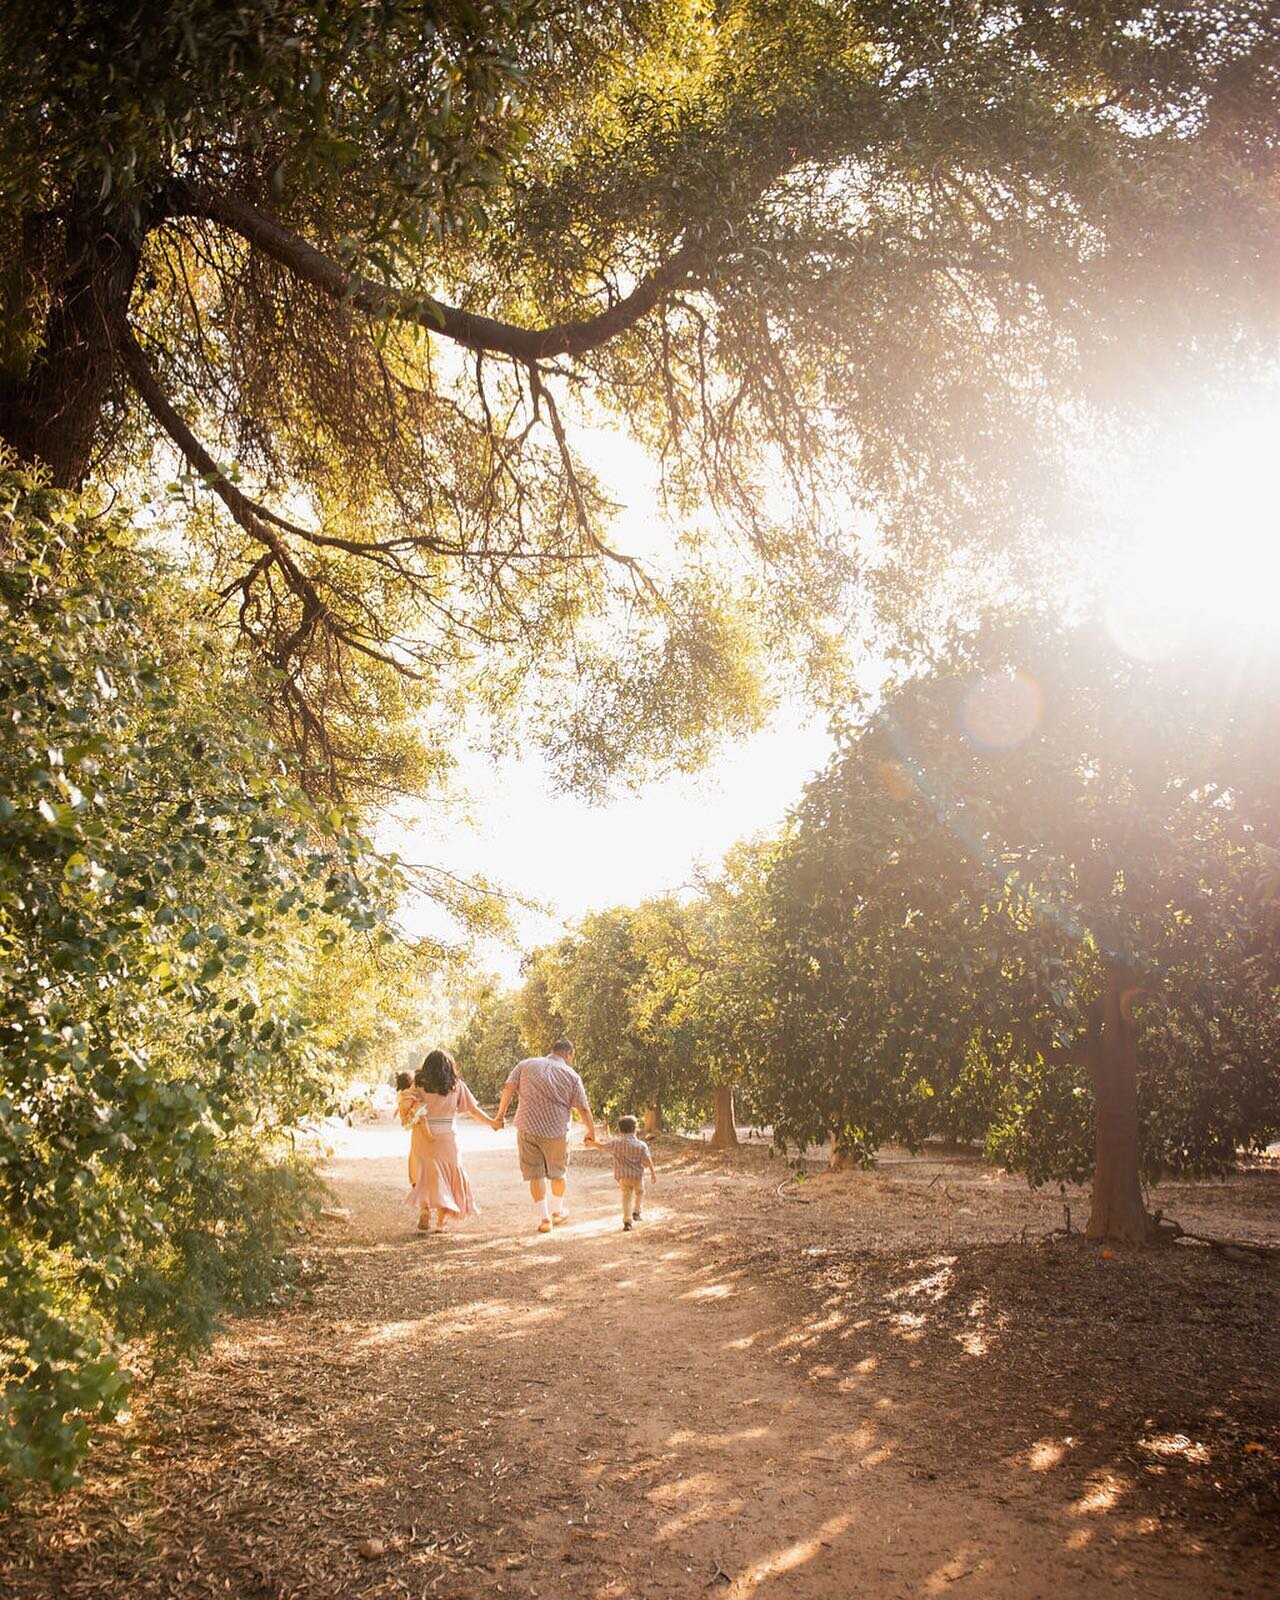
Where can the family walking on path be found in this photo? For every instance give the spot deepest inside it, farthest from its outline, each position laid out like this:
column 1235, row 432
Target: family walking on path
column 548, row 1091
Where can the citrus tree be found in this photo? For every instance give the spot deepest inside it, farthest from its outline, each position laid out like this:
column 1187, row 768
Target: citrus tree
column 490, row 1044
column 598, row 986
column 664, row 999
column 1021, row 900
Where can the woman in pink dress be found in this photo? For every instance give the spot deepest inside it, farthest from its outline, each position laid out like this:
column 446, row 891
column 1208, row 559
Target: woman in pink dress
column 440, row 1183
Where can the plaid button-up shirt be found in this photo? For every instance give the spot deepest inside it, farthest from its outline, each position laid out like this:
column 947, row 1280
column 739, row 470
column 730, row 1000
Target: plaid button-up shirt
column 629, row 1157
column 549, row 1090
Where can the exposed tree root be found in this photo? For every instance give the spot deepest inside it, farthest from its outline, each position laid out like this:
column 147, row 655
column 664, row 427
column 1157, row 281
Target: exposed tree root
column 1164, row 1230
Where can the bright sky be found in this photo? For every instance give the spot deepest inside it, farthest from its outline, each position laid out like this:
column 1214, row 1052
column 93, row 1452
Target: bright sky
column 1196, row 533
column 1192, row 542
column 576, row 857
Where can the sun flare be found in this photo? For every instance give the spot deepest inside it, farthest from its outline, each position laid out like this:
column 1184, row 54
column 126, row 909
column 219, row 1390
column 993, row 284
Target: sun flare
column 1196, row 557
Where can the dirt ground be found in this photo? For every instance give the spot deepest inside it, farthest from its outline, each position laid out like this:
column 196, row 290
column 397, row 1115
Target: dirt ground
column 866, row 1384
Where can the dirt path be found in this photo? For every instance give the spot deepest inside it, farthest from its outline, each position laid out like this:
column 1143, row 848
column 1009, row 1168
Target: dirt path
column 588, row 1414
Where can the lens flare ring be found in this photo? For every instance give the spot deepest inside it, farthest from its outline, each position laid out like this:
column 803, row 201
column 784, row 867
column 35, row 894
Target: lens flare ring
column 1001, row 710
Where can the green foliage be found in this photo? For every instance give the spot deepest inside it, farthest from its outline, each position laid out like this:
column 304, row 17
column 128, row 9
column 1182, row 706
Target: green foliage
column 728, row 1007
column 1007, row 829
column 537, row 1011
column 607, row 981
column 491, row 1044
column 171, row 911
column 395, row 117
column 662, row 999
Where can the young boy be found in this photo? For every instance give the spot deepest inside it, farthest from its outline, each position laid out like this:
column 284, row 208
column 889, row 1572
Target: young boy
column 630, row 1159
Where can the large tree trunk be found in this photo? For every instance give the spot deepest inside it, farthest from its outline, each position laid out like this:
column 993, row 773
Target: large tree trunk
column 1118, row 1210
column 52, row 414
column 841, row 1160
column 654, row 1122
column 724, row 1135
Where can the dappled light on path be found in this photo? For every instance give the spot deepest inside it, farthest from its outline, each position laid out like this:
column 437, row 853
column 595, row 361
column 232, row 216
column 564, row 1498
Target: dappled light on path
column 693, row 1407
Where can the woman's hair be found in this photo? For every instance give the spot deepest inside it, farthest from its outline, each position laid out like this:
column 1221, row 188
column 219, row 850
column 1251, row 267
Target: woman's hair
column 438, row 1073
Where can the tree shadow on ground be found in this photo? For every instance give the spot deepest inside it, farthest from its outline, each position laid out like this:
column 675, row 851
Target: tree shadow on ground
column 1139, row 1380
column 798, row 1418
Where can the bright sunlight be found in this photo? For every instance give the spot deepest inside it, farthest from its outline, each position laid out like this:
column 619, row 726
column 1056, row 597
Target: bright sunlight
column 1197, row 559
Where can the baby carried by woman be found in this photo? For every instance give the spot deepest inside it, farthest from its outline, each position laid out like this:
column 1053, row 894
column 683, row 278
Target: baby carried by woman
column 427, row 1107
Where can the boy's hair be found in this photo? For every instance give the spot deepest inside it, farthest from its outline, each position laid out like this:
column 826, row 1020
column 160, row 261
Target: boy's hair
column 403, row 1079
column 626, row 1124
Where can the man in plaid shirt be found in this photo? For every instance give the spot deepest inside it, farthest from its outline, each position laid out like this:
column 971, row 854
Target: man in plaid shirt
column 631, row 1158
column 550, row 1091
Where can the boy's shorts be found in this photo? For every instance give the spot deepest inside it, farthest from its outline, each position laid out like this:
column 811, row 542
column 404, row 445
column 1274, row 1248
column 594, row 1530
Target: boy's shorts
column 541, row 1158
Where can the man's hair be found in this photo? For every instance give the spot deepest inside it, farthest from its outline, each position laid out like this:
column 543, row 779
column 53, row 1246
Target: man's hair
column 626, row 1124
column 561, row 1046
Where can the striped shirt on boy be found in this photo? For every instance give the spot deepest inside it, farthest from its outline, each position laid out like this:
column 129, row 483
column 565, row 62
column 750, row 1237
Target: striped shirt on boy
column 629, row 1157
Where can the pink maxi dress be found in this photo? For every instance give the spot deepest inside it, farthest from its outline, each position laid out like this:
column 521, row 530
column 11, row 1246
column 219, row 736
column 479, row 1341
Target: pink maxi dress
column 439, row 1180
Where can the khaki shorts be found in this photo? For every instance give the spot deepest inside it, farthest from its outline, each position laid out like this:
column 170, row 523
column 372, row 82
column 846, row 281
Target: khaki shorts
column 541, row 1158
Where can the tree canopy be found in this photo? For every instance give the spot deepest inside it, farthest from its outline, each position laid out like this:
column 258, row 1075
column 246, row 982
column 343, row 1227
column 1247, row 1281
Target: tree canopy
column 1021, row 903
column 366, row 267
column 193, row 959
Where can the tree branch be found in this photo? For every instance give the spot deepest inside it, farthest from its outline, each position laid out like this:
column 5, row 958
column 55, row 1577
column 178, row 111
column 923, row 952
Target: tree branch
column 257, row 523
column 541, row 394
column 247, row 513
column 1054, row 1055
column 527, row 345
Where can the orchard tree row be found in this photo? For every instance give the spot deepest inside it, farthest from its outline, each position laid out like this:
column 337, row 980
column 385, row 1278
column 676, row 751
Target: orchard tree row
column 1025, row 903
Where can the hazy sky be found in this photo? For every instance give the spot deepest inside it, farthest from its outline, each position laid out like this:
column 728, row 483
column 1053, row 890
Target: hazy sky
column 577, row 857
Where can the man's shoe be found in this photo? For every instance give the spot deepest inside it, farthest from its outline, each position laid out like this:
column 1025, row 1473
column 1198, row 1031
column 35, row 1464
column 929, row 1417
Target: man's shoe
column 545, row 1225
column 636, row 1215
column 626, row 1227
column 557, row 1217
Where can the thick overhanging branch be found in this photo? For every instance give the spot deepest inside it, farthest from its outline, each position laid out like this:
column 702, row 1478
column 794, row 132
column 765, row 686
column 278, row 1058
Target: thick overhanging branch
column 527, row 345
column 250, row 516
column 262, row 526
